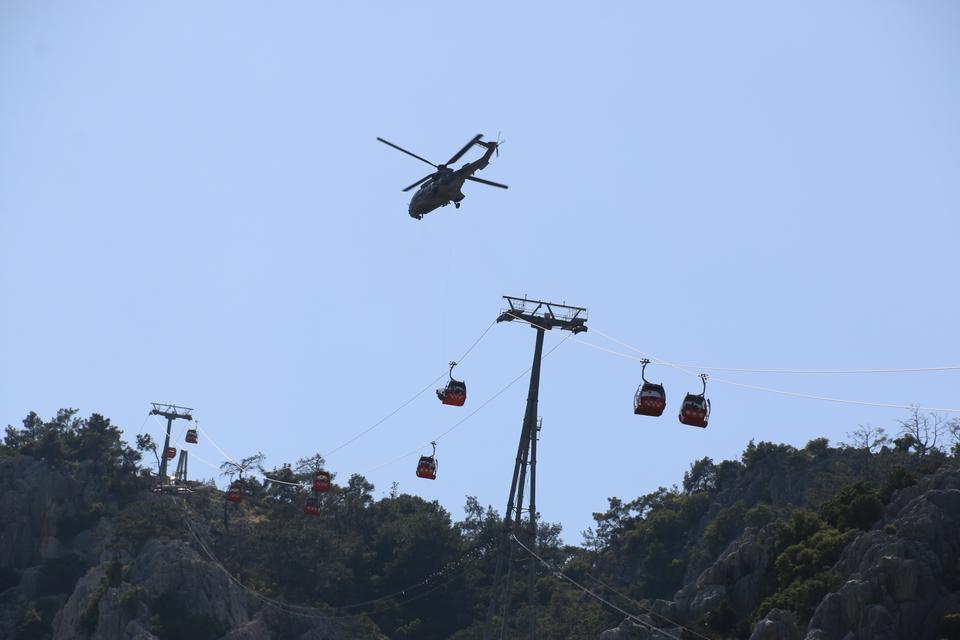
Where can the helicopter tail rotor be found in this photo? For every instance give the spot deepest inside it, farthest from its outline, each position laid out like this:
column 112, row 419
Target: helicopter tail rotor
column 492, row 145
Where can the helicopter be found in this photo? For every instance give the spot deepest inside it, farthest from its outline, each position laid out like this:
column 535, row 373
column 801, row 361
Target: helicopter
column 443, row 186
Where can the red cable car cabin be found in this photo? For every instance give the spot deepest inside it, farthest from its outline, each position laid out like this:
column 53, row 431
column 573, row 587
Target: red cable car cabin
column 650, row 399
column 321, row 481
column 455, row 393
column 695, row 410
column 312, row 507
column 170, row 453
column 191, row 436
column 235, row 492
column 427, row 468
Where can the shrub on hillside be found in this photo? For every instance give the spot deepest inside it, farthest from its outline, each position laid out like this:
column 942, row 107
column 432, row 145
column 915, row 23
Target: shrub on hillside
column 898, row 478
column 855, row 506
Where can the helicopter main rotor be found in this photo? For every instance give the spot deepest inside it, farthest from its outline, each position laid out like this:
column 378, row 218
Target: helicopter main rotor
column 442, row 168
column 409, row 153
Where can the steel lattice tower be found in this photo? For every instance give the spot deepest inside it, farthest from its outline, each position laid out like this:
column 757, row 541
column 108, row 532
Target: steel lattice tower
column 541, row 316
column 171, row 412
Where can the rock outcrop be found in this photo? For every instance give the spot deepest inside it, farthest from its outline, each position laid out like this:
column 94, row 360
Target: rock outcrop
column 902, row 579
column 47, row 514
column 739, row 578
column 167, row 579
column 61, row 562
column 776, row 625
column 629, row 630
column 49, row 536
column 168, row 590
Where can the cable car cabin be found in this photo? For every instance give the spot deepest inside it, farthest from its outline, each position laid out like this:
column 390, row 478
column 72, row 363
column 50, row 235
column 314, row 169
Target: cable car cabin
column 427, row 468
column 695, row 410
column 311, row 507
column 235, row 492
column 191, row 436
column 170, row 453
column 454, row 394
column 321, row 482
column 650, row 400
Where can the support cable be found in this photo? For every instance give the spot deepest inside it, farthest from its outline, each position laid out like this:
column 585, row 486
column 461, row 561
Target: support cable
column 794, row 394
column 560, row 574
column 884, row 405
column 145, row 418
column 367, row 430
column 389, row 415
column 316, row 612
column 411, row 399
column 699, row 367
column 194, row 456
column 648, row 610
column 275, row 481
column 215, row 445
column 468, row 416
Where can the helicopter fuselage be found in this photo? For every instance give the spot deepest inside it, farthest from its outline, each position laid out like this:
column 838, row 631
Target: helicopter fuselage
column 436, row 192
column 445, row 187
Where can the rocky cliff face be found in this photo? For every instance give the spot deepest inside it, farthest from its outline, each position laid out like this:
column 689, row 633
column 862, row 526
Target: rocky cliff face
column 899, row 580
column 48, row 538
column 169, row 591
column 47, row 514
column 739, row 579
column 66, row 576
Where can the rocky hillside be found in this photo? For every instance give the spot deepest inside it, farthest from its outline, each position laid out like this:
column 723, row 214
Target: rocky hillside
column 822, row 543
column 826, row 545
column 899, row 579
column 74, row 568
column 85, row 556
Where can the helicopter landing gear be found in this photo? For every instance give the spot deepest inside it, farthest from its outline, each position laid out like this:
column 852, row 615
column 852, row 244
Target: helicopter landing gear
column 456, row 205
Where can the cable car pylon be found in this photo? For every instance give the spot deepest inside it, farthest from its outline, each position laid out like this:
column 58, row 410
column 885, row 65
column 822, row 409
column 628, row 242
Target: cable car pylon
column 171, row 412
column 542, row 316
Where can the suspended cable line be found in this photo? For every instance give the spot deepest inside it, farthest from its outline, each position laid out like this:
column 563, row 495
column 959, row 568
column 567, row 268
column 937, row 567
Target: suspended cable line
column 145, row 418
column 361, row 433
column 794, row 394
column 275, row 481
column 599, row 598
column 215, row 445
column 699, row 367
column 823, row 371
column 468, row 416
column 303, row 612
column 194, row 456
column 389, row 415
column 648, row 610
column 477, row 341
column 446, row 571
column 411, row 399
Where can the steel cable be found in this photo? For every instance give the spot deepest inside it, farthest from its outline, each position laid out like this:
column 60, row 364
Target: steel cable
column 557, row 572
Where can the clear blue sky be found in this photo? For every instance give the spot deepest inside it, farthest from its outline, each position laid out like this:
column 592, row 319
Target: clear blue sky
column 194, row 209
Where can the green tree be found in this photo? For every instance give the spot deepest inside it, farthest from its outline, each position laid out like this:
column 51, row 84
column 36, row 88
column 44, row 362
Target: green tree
column 702, row 476
column 145, row 442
